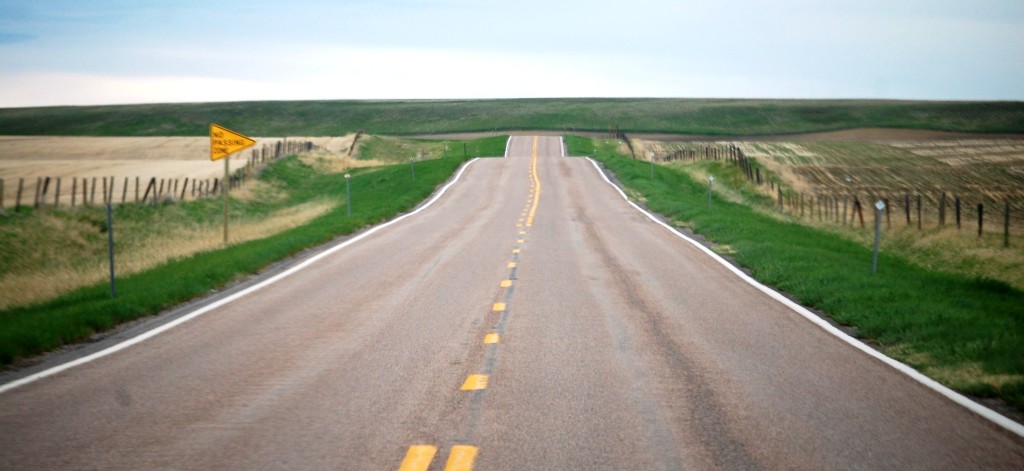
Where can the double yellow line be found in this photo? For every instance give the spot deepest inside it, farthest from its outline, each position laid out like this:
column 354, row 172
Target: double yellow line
column 536, row 182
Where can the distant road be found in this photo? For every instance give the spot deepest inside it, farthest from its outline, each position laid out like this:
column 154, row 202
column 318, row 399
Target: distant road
column 499, row 330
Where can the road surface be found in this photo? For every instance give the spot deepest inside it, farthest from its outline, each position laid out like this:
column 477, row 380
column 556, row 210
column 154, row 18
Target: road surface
column 530, row 319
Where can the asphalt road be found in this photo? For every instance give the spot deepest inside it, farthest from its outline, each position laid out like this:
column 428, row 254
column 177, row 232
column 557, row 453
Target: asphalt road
column 612, row 344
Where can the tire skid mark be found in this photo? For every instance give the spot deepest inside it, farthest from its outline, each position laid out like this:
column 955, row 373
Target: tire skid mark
column 702, row 407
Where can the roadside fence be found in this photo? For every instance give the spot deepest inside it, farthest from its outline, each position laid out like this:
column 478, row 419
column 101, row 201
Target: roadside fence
column 987, row 212
column 55, row 192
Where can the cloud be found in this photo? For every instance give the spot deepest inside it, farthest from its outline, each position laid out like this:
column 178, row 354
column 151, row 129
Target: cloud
column 56, row 89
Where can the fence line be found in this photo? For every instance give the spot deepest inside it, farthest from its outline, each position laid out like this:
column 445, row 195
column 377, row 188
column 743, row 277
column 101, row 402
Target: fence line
column 846, row 208
column 154, row 190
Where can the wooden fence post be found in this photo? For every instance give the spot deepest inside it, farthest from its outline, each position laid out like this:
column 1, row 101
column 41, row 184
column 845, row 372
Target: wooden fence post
column 110, row 198
column 942, row 209
column 860, row 211
column 124, row 191
column 74, row 190
column 105, row 191
column 92, row 194
column 981, row 218
column 17, row 198
column 56, row 195
column 1, row 194
column 919, row 211
column 183, row 188
column 136, row 189
column 150, row 186
column 39, row 186
column 906, row 206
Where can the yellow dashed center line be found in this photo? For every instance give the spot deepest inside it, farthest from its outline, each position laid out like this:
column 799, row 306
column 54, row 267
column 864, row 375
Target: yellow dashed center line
column 418, row 458
column 516, row 250
column 536, row 181
column 506, row 283
column 461, row 458
column 511, row 264
column 474, row 382
column 498, row 307
column 492, row 338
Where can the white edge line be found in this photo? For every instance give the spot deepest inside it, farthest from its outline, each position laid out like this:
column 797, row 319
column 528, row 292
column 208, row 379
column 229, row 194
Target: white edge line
column 561, row 142
column 508, row 145
column 221, row 302
column 954, row 396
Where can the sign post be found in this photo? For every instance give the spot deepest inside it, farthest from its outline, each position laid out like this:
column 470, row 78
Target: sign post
column 348, row 194
column 879, row 206
column 224, row 142
column 711, row 183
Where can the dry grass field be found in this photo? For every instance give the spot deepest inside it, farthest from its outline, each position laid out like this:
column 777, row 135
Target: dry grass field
column 892, row 166
column 54, row 251
column 31, row 157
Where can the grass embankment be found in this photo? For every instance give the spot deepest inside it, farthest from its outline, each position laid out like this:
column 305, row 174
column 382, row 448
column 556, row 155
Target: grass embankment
column 966, row 333
column 670, row 115
column 396, row 150
column 377, row 194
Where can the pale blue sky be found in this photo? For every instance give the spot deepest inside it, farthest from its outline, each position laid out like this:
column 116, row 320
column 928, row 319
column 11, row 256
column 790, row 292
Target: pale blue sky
column 57, row 52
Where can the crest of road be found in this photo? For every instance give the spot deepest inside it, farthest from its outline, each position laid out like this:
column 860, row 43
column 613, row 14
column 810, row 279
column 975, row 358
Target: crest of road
column 529, row 318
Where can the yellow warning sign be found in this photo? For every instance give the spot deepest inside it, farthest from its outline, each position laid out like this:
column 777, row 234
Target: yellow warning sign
column 224, row 142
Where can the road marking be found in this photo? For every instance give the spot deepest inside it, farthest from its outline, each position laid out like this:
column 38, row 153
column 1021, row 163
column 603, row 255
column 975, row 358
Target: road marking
column 461, row 458
column 516, row 250
column 522, row 232
column 536, row 181
column 506, row 283
column 474, row 383
column 492, row 338
column 229, row 299
column 418, row 458
column 950, row 394
column 511, row 264
column 498, row 307
column 519, row 241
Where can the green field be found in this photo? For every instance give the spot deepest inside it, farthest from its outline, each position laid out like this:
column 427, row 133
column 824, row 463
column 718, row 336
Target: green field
column 668, row 115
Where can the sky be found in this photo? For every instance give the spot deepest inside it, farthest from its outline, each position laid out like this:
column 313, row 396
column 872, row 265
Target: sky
column 89, row 52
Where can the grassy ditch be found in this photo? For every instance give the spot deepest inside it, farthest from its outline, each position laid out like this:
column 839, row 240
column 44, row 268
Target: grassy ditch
column 967, row 333
column 378, row 193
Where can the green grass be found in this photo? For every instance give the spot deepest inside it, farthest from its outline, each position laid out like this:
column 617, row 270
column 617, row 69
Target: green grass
column 670, row 115
column 396, row 149
column 967, row 333
column 377, row 194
